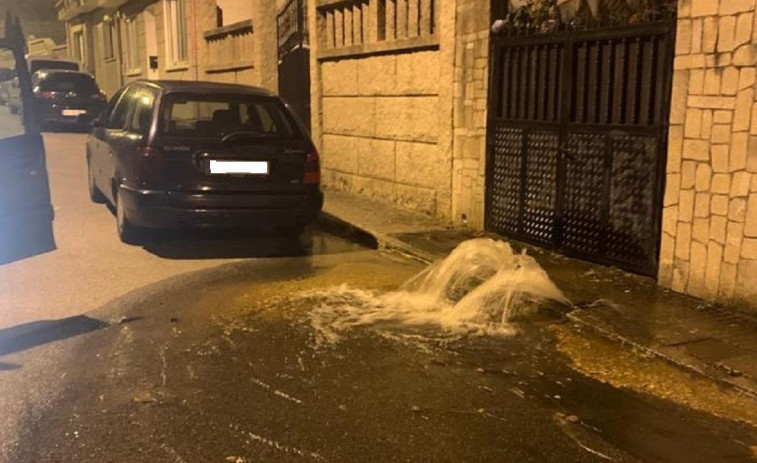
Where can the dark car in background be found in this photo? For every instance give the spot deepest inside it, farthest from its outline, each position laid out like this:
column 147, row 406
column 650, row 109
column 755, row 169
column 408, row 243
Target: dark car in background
column 63, row 97
column 195, row 154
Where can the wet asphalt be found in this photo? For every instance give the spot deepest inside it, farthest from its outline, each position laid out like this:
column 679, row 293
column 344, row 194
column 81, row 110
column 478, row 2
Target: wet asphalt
column 224, row 365
column 201, row 348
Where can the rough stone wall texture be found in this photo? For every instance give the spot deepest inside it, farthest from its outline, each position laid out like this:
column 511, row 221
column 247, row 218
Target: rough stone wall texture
column 266, row 52
column 409, row 127
column 470, row 101
column 380, row 130
column 709, row 241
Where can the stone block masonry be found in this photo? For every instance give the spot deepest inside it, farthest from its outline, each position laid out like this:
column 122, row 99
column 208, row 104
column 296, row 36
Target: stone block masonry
column 470, row 116
column 710, row 215
column 381, row 127
column 382, row 94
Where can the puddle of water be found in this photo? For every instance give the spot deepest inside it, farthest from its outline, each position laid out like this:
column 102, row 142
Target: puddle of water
column 480, row 288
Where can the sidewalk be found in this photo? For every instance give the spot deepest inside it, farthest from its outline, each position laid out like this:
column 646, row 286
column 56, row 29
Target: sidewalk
column 719, row 343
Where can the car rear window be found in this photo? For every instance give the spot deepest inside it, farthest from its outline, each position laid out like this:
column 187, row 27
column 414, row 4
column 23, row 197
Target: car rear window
column 77, row 83
column 36, row 65
column 190, row 115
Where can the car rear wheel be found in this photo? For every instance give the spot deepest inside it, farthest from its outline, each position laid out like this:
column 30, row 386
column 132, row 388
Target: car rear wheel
column 94, row 193
column 127, row 232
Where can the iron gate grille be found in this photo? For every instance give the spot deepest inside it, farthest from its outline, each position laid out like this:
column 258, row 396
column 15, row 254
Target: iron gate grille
column 294, row 57
column 577, row 141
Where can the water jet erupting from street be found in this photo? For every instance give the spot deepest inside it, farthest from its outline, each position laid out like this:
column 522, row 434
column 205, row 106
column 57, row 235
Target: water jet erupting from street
column 480, row 287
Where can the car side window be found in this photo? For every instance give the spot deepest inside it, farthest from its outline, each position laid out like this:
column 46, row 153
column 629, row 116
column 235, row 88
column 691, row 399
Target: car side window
column 117, row 118
column 108, row 110
column 141, row 117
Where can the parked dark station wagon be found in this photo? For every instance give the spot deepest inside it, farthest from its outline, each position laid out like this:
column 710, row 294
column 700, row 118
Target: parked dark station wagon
column 61, row 96
column 194, row 154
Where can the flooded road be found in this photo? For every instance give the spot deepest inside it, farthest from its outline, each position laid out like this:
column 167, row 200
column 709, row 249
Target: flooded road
column 231, row 365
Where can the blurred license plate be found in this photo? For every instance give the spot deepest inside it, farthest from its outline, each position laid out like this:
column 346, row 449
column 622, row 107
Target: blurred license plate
column 74, row 112
column 239, row 167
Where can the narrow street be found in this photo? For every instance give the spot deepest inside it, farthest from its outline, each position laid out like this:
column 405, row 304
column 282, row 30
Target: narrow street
column 91, row 266
column 245, row 349
column 495, row 231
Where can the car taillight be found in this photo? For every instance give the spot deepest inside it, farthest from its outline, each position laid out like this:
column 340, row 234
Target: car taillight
column 312, row 169
column 150, row 166
column 47, row 95
column 99, row 96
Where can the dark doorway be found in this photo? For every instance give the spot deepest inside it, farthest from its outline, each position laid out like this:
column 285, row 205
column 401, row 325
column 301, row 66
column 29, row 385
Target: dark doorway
column 578, row 125
column 294, row 58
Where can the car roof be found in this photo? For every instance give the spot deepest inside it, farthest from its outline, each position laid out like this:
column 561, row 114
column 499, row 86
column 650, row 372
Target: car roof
column 47, row 72
column 171, row 86
column 50, row 58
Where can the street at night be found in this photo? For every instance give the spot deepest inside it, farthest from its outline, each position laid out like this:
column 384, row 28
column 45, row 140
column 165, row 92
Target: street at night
column 495, row 231
column 194, row 359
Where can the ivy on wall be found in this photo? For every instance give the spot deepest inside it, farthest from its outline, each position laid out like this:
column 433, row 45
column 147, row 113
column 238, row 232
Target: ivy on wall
column 544, row 16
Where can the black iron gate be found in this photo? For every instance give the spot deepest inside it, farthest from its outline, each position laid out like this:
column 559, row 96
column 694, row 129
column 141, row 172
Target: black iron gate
column 294, row 57
column 577, row 141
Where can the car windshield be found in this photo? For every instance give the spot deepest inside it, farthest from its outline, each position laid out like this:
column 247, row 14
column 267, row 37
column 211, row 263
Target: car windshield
column 193, row 115
column 77, row 83
column 36, row 65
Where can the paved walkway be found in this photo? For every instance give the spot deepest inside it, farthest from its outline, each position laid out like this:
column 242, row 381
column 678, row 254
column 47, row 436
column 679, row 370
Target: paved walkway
column 720, row 343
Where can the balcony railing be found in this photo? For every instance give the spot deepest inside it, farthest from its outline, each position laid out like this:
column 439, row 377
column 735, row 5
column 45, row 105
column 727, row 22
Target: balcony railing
column 354, row 27
column 229, row 48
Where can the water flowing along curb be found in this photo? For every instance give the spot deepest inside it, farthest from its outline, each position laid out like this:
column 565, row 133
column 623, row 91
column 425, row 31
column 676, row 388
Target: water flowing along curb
column 610, row 334
column 371, row 239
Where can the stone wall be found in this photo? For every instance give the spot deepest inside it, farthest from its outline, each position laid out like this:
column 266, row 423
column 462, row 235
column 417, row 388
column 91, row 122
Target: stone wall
column 470, row 101
column 407, row 124
column 709, row 241
column 380, row 126
column 382, row 102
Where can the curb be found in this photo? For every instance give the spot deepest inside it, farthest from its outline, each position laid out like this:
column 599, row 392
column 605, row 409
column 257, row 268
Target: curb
column 626, row 342
column 346, row 230
column 350, row 231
